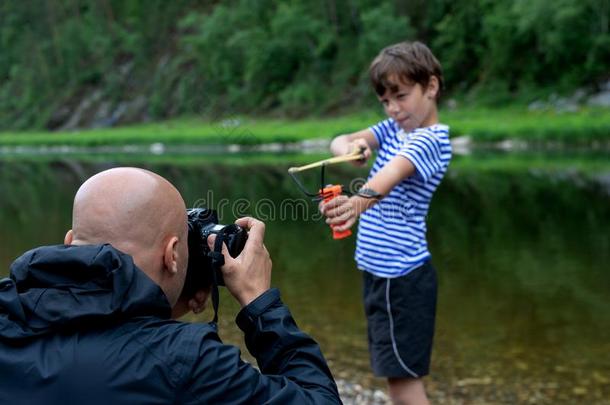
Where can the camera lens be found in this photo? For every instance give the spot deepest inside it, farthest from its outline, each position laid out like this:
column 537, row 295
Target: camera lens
column 203, row 222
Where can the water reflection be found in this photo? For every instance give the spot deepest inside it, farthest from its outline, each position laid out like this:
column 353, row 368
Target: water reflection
column 521, row 255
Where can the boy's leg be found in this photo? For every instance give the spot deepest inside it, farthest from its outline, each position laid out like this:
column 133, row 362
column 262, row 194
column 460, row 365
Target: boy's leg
column 407, row 391
column 400, row 318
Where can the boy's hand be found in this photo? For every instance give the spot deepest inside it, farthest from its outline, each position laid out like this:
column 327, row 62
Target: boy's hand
column 360, row 145
column 340, row 213
column 195, row 304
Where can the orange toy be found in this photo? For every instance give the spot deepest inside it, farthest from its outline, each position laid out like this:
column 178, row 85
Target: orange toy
column 328, row 193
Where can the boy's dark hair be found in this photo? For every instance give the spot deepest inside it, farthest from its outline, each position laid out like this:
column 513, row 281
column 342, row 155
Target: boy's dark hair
column 410, row 62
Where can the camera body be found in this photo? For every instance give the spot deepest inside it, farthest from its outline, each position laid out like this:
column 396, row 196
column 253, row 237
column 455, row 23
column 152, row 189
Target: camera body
column 203, row 222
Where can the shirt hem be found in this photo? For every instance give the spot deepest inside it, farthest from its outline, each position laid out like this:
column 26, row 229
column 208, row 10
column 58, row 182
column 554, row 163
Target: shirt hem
column 399, row 274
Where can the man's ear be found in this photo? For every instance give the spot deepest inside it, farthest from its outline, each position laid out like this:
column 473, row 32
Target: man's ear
column 170, row 255
column 432, row 89
column 69, row 237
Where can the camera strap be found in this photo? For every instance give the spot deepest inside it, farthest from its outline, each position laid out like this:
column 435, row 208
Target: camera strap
column 218, row 261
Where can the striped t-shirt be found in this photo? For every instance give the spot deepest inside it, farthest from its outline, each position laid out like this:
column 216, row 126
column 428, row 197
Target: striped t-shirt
column 392, row 233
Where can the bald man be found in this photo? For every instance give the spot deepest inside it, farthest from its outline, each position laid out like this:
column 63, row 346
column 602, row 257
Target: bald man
column 91, row 321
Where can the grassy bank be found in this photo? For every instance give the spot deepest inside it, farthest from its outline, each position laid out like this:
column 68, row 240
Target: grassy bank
column 557, row 162
column 584, row 127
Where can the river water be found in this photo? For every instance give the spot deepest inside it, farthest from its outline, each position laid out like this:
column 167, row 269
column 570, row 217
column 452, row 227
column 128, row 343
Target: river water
column 521, row 253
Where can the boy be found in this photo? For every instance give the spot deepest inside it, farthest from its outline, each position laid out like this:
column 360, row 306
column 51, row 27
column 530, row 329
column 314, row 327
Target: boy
column 413, row 155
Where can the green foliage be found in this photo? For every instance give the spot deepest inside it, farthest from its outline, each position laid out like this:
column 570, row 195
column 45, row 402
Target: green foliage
column 515, row 45
column 281, row 57
column 294, row 56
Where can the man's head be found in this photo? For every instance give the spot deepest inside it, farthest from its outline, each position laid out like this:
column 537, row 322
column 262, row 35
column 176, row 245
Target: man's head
column 139, row 213
column 408, row 63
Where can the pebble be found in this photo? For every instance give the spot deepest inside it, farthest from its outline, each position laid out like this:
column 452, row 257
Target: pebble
column 354, row 394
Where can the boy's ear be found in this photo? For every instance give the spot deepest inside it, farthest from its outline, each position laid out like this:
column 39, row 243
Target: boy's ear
column 433, row 87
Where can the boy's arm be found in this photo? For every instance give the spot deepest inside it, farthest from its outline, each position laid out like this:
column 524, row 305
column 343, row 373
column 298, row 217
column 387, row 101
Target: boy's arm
column 343, row 211
column 344, row 144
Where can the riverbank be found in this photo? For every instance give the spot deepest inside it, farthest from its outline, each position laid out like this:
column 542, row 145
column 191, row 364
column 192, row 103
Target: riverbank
column 559, row 163
column 588, row 127
column 355, row 394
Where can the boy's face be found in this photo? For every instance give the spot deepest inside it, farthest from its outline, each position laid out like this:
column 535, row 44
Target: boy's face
column 410, row 105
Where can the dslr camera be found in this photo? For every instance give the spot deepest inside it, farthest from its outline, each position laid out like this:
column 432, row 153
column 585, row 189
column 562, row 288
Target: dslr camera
column 200, row 273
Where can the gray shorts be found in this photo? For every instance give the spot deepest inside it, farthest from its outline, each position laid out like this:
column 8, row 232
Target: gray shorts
column 400, row 313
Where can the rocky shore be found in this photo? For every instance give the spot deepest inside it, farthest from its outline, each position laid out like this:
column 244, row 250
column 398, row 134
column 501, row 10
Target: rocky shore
column 355, row 394
column 491, row 391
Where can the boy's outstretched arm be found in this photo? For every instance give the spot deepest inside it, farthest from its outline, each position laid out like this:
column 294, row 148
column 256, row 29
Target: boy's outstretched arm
column 344, row 144
column 343, row 211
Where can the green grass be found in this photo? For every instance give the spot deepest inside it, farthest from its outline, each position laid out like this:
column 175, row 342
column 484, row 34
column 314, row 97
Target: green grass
column 586, row 163
column 180, row 160
column 484, row 125
column 583, row 127
column 237, row 130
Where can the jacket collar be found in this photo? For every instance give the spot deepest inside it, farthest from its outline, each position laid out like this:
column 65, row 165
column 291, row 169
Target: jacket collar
column 66, row 286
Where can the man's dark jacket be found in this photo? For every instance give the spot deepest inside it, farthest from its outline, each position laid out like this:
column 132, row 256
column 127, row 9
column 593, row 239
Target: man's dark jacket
column 82, row 324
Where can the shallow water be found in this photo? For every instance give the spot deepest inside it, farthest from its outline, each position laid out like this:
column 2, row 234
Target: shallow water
column 521, row 255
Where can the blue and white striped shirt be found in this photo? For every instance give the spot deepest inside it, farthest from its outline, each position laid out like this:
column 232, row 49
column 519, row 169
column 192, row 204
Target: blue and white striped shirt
column 392, row 234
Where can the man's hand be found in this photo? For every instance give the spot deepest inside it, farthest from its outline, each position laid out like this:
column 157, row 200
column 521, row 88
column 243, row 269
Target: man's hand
column 248, row 275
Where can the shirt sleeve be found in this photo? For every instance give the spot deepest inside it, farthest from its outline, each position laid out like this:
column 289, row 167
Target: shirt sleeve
column 382, row 129
column 292, row 368
column 423, row 149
